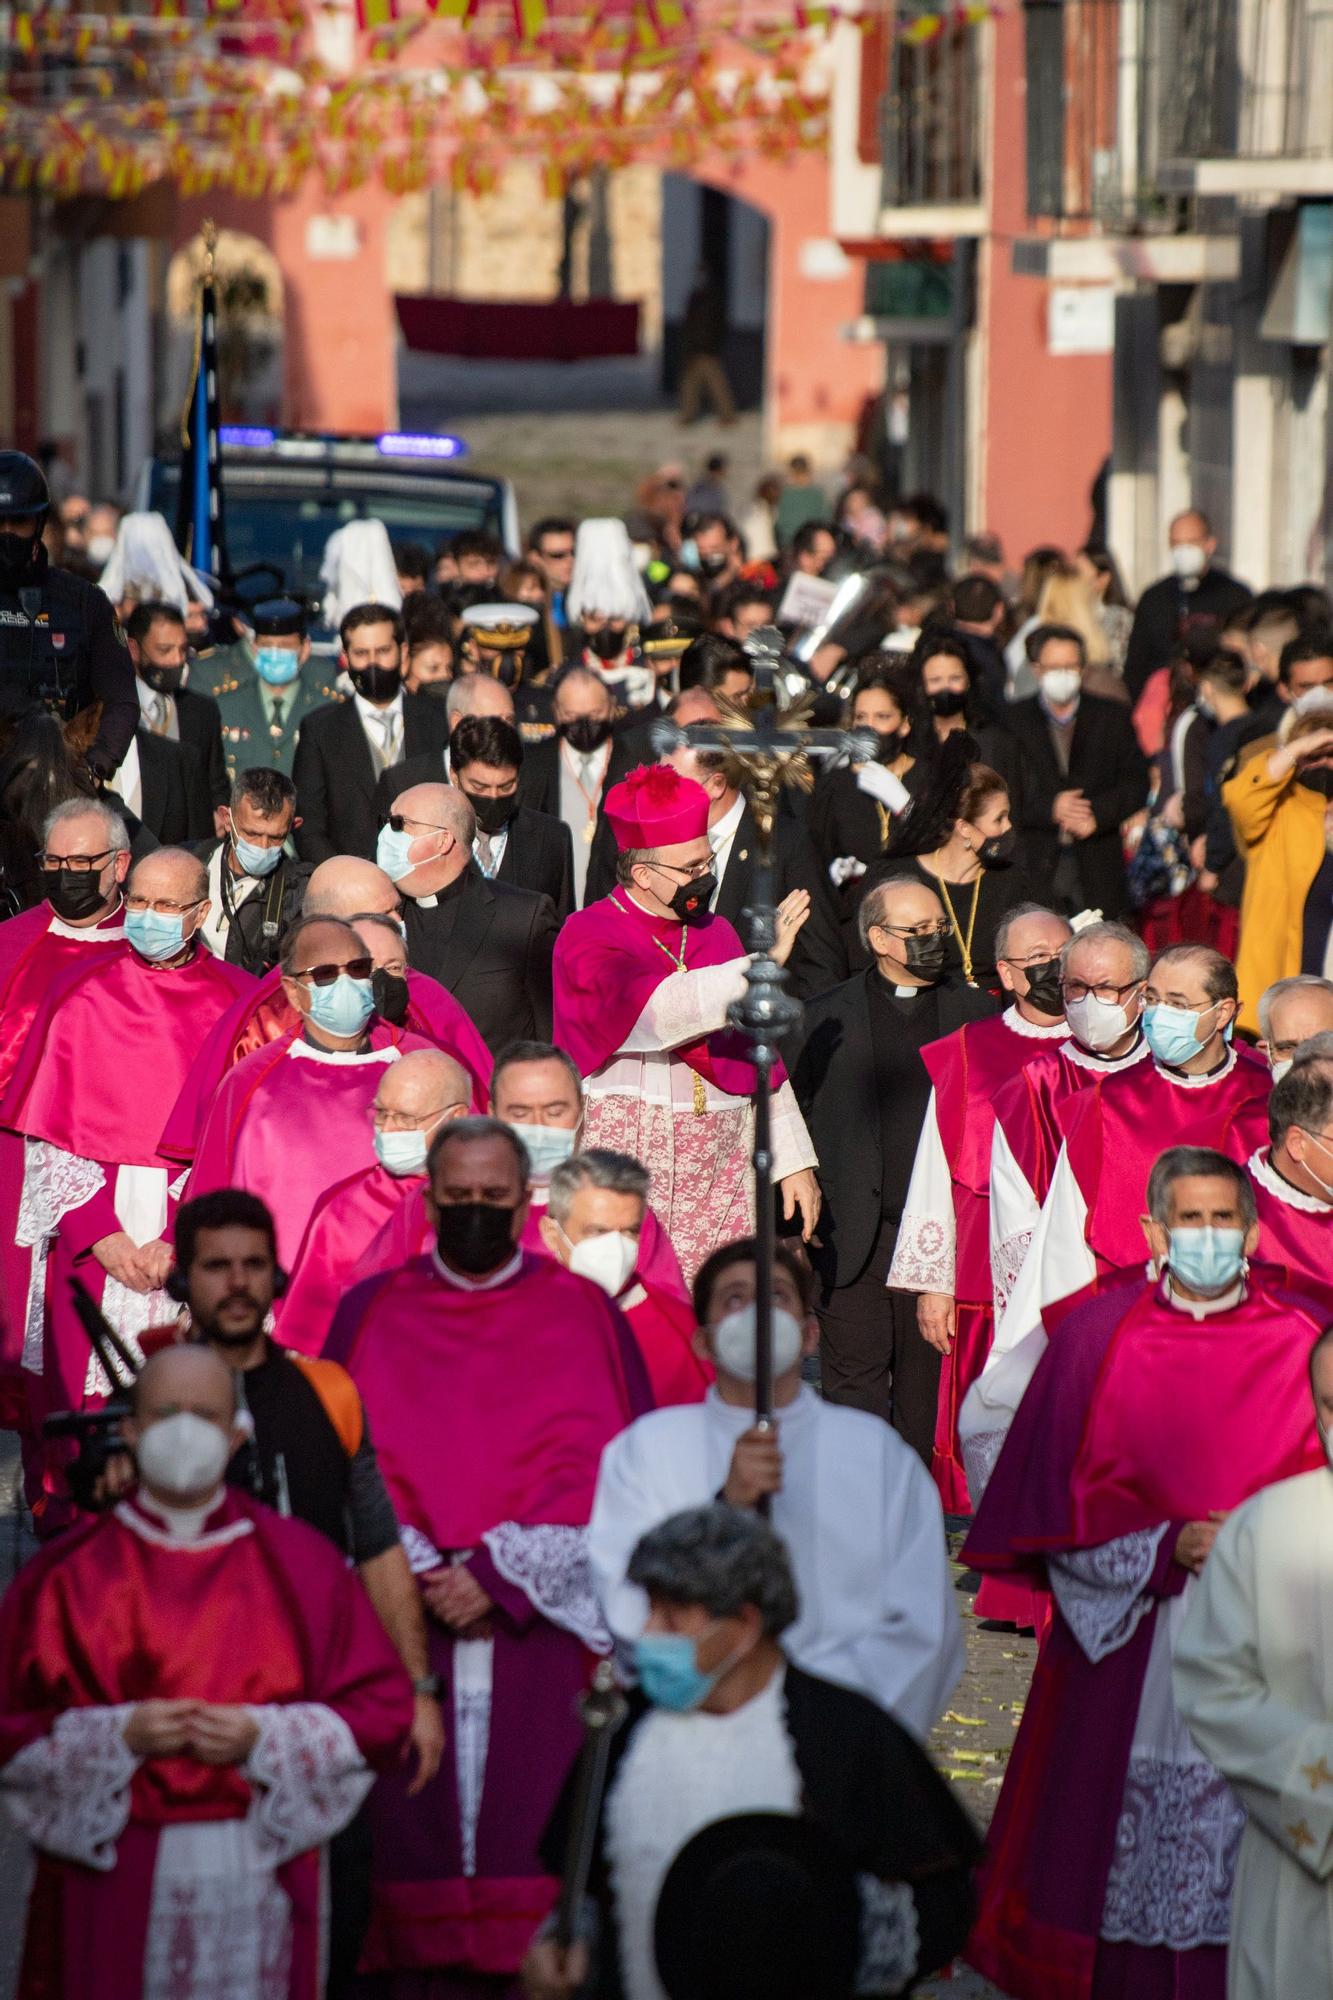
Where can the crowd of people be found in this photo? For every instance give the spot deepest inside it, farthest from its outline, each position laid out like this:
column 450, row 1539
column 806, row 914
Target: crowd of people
column 378, row 1272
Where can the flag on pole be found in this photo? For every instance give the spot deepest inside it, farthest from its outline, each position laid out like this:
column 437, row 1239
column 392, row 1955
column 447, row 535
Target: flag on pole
column 200, row 528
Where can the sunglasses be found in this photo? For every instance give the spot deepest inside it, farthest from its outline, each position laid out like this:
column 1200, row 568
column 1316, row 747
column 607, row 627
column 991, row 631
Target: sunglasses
column 325, row 975
column 400, row 823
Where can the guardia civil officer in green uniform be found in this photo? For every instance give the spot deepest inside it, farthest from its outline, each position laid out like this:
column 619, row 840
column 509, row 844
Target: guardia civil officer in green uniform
column 266, row 684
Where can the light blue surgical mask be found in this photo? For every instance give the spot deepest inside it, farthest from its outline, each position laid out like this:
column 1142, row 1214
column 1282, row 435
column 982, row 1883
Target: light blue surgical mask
column 277, row 666
column 154, row 936
column 1173, row 1032
column 392, row 852
column 669, row 1672
column 253, row 859
column 1207, row 1260
column 342, row 1008
column 401, row 1154
column 547, row 1146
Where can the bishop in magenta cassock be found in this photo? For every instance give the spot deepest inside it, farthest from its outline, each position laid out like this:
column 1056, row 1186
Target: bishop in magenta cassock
column 943, row 1252
column 296, row 1116
column 1292, row 1179
column 1088, row 1232
column 1110, row 1859
column 98, row 1192
column 85, row 859
column 493, row 1380
column 642, row 983
column 415, row 1096
column 193, row 1693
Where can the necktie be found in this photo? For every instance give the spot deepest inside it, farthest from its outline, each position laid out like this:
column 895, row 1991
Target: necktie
column 275, row 727
column 157, row 715
column 485, row 854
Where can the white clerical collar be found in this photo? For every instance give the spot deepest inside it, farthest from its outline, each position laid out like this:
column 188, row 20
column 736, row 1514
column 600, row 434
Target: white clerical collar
column 1203, row 1308
column 1183, row 1081
column 486, row 1284
column 725, row 829
column 180, row 1527
column 341, row 1058
column 93, row 934
column 908, row 992
column 739, row 1417
column 1020, row 1025
column 1075, row 1052
column 1260, row 1168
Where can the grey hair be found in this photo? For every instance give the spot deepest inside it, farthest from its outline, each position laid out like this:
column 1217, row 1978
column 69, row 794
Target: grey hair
column 1304, row 1096
column 459, row 701
column 630, row 859
column 1178, row 1163
column 1107, row 933
column 115, row 831
column 465, row 1131
column 617, row 1173
column 1315, row 1048
column 1016, row 916
column 870, row 916
column 721, row 1558
column 1298, row 982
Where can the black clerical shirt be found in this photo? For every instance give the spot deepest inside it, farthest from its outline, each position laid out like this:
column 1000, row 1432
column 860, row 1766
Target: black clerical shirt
column 902, row 1021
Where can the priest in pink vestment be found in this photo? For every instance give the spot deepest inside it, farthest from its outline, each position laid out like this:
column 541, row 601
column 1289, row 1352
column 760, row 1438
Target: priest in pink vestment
column 1110, row 1859
column 194, row 1694
column 100, row 1069
column 642, row 983
column 416, row 1095
column 85, row 858
column 492, row 1380
column 297, row 1115
column 943, row 1251
column 1292, row 1179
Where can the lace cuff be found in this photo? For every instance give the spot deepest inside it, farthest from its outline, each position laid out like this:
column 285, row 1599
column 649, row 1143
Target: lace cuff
column 1101, row 1591
column 550, row 1566
column 923, row 1258
column 310, row 1776
column 792, row 1144
column 70, row 1791
column 688, row 1005
column 1006, row 1263
column 54, row 1183
column 890, row 1940
column 421, row 1552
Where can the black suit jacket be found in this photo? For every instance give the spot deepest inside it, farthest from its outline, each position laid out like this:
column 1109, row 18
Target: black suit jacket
column 496, row 961
column 1107, row 765
column 835, row 1084
column 864, row 1780
column 539, row 779
column 336, row 779
column 426, row 769
column 176, row 808
column 539, row 855
column 279, row 899
column 200, row 721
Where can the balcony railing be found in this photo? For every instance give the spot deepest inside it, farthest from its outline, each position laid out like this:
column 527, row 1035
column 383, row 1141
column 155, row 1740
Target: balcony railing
column 1286, row 92
column 930, row 122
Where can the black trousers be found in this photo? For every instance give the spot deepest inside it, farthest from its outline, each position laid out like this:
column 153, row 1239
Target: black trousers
column 349, row 1903
column 871, row 1353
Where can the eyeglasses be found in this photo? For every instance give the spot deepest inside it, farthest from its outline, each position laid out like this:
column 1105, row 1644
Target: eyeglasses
column 406, row 1121
column 325, row 975
column 921, row 930
column 1033, row 958
column 689, row 871
column 77, row 864
column 161, row 906
column 1078, row 989
column 401, row 824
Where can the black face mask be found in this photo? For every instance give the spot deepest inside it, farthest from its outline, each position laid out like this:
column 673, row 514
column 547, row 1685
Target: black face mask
column 474, row 1237
column 73, row 896
column 376, row 683
column 608, row 644
column 1044, row 987
column 494, row 815
column 925, row 955
column 439, row 689
column 16, row 560
column 1318, row 781
column 998, row 852
column 691, row 900
column 585, row 733
column 948, row 701
column 391, row 995
column 890, row 745
column 712, row 565
column 162, row 680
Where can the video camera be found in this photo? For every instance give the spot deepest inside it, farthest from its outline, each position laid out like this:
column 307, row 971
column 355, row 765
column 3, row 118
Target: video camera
column 97, row 1432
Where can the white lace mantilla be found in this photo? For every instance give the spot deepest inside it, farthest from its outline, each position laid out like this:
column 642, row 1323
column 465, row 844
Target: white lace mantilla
column 981, row 1452
column 923, row 1257
column 70, row 1791
column 310, row 1778
column 1175, row 1857
column 550, row 1565
column 890, row 1938
column 1100, row 1591
column 1006, row 1262
column 55, row 1183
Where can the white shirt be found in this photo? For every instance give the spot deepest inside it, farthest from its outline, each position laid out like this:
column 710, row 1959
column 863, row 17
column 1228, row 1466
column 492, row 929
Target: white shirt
column 155, row 707
column 216, row 926
column 722, row 838
column 861, row 1519
column 128, row 781
column 578, row 808
column 383, row 727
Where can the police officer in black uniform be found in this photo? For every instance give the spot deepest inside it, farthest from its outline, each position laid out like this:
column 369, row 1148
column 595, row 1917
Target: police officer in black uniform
column 61, row 648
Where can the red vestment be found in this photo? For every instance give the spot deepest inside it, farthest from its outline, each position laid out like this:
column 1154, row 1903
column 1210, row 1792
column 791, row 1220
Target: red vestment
column 1295, row 1246
column 257, row 1610
column 344, row 1222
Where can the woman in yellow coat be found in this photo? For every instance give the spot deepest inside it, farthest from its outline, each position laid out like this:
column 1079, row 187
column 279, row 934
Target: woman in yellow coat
column 1278, row 807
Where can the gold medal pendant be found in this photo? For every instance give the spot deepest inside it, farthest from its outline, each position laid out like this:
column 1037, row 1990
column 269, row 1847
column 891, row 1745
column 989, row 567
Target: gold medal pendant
column 700, row 1096
column 589, row 829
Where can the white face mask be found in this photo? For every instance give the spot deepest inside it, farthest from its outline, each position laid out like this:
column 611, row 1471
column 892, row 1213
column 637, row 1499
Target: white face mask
column 1188, row 560
column 1098, row 1024
column 98, row 549
column 608, row 1260
column 733, row 1343
column 1281, row 1066
column 183, row 1454
column 1061, row 684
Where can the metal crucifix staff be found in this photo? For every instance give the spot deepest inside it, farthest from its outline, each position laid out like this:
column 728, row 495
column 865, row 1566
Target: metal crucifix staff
column 768, row 743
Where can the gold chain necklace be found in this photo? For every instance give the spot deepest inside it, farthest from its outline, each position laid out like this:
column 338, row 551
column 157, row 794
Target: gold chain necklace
column 964, row 943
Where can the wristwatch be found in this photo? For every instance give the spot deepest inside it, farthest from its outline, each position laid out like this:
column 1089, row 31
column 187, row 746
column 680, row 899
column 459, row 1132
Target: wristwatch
column 427, row 1684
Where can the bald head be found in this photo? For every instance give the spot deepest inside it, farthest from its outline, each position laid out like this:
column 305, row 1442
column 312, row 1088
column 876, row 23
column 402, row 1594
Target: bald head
column 581, row 694
column 166, row 900
column 422, row 1087
column 175, row 1382
column 345, row 886
column 169, row 874
column 477, row 694
column 695, row 705
column 441, row 825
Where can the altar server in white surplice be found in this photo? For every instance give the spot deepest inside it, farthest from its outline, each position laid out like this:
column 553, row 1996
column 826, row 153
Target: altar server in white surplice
column 856, row 1507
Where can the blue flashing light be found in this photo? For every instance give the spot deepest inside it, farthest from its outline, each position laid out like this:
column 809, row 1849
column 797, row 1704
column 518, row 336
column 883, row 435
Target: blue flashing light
column 247, row 437
column 418, row 444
